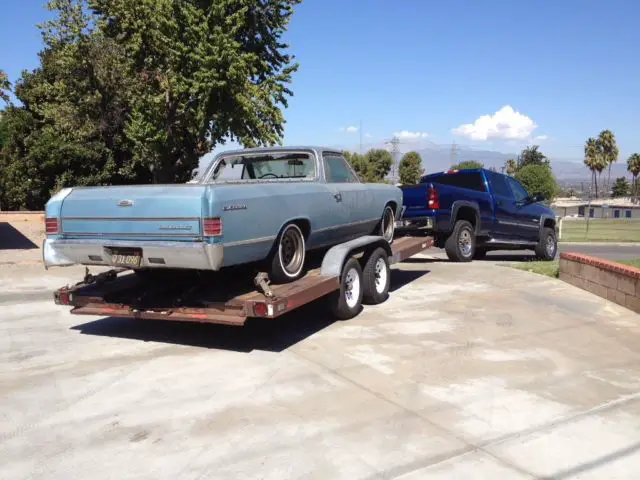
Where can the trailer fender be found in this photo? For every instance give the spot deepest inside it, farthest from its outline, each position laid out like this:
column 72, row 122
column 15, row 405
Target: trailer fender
column 334, row 259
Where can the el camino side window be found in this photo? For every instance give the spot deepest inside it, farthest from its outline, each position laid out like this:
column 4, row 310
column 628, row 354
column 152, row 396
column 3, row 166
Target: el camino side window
column 336, row 169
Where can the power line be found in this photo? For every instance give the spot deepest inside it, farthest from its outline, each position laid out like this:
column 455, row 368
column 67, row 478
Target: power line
column 454, row 153
column 395, row 152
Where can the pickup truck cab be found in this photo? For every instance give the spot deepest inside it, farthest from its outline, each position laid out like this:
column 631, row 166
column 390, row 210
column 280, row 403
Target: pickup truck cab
column 471, row 212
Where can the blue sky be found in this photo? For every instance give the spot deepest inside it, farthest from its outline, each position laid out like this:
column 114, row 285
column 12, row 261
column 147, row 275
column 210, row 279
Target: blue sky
column 556, row 71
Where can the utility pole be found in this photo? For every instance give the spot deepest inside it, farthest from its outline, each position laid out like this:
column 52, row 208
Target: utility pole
column 454, row 153
column 395, row 150
column 360, row 137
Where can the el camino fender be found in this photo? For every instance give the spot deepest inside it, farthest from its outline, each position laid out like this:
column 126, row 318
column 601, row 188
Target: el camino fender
column 334, row 259
column 544, row 217
column 295, row 219
column 458, row 204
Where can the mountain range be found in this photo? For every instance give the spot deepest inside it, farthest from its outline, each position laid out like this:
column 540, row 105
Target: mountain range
column 436, row 158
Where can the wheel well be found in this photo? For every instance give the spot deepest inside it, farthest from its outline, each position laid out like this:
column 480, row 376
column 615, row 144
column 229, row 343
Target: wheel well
column 303, row 224
column 468, row 214
column 549, row 222
column 393, row 205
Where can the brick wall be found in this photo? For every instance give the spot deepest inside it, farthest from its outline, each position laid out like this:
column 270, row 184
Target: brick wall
column 613, row 281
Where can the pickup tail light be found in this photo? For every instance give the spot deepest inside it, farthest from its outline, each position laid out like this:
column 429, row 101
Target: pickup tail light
column 433, row 200
column 212, row 227
column 51, row 226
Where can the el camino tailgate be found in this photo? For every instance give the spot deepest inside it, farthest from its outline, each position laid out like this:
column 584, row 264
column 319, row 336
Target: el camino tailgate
column 150, row 211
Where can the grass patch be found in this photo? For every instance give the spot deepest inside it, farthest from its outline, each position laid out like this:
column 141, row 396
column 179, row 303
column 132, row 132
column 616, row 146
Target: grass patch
column 600, row 230
column 634, row 262
column 549, row 269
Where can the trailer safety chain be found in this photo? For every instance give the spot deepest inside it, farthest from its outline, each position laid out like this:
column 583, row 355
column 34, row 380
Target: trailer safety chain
column 262, row 281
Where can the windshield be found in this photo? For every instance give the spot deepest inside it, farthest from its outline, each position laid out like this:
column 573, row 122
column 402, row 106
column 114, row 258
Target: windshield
column 264, row 167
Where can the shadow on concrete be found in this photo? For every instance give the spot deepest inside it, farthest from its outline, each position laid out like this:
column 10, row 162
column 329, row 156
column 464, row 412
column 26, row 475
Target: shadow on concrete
column 12, row 239
column 257, row 334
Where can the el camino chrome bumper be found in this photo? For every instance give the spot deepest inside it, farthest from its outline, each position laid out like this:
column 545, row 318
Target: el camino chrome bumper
column 192, row 255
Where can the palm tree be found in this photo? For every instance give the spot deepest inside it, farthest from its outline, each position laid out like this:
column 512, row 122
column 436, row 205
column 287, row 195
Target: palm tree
column 591, row 159
column 607, row 141
column 510, row 167
column 633, row 166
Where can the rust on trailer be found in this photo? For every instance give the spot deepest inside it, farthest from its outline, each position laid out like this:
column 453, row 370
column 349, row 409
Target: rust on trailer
column 130, row 296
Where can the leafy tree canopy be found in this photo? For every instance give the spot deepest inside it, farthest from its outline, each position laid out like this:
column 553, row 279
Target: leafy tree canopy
column 373, row 166
column 135, row 92
column 532, row 156
column 467, row 165
column 621, row 187
column 538, row 179
column 411, row 168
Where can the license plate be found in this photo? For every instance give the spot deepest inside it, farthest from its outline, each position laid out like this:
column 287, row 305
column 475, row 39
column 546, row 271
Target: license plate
column 125, row 257
column 126, row 260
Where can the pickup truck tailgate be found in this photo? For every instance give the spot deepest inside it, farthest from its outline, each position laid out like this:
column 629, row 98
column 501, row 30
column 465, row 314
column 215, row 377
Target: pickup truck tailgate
column 158, row 211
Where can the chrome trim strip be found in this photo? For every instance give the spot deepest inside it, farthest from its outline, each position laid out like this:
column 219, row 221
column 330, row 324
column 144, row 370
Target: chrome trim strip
column 517, row 224
column 137, row 219
column 249, row 242
column 122, row 234
column 343, row 225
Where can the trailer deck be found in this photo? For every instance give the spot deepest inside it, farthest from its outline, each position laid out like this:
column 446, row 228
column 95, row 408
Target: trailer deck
column 223, row 298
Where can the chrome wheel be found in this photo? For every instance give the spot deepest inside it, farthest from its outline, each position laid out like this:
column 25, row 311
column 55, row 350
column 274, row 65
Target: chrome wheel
column 550, row 246
column 388, row 224
column 352, row 288
column 465, row 243
column 381, row 275
column 291, row 250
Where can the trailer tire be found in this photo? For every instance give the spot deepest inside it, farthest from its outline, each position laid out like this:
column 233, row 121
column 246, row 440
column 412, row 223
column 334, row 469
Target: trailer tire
column 376, row 277
column 346, row 302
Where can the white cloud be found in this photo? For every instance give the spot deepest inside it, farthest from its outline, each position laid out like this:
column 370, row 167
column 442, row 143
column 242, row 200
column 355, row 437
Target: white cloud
column 350, row 129
column 505, row 124
column 541, row 137
column 367, row 135
column 404, row 134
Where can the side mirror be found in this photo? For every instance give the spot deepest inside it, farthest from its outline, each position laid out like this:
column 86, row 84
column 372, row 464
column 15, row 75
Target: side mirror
column 537, row 198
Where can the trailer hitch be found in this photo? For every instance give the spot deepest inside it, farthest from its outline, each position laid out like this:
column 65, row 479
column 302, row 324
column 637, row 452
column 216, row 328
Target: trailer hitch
column 262, row 281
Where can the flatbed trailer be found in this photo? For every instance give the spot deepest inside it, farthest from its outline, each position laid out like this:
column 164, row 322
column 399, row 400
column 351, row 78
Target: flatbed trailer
column 349, row 274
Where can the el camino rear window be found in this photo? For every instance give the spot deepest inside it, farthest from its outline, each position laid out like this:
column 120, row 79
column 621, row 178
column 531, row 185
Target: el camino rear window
column 264, row 167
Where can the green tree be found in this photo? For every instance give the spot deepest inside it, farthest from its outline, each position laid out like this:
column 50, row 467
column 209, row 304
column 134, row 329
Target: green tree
column 620, row 187
column 610, row 152
column 467, row 165
column 208, row 69
column 633, row 166
column 410, row 168
column 5, row 87
column 531, row 156
column 511, row 167
column 538, row 179
column 594, row 160
column 379, row 163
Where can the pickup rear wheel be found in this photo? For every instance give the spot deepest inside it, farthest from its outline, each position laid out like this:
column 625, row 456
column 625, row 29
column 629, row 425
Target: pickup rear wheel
column 547, row 245
column 287, row 261
column 461, row 244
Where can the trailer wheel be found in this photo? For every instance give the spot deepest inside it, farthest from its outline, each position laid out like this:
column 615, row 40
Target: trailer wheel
column 376, row 277
column 346, row 302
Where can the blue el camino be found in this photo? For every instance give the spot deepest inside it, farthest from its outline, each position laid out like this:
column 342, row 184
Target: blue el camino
column 250, row 205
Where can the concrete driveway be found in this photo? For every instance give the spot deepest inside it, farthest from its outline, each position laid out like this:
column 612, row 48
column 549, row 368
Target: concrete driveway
column 468, row 371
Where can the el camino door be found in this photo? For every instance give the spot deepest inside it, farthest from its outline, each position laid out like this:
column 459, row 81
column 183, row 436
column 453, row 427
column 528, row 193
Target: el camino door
column 356, row 199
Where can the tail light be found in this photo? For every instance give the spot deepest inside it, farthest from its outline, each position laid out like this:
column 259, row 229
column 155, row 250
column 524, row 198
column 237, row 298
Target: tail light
column 212, row 227
column 51, row 226
column 433, row 199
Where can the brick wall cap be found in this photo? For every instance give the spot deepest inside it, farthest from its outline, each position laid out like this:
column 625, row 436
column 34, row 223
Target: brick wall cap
column 626, row 270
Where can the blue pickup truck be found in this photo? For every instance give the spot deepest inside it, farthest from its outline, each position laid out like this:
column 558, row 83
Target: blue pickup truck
column 470, row 212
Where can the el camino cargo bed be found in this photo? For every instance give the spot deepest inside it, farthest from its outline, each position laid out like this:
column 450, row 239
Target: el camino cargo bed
column 215, row 297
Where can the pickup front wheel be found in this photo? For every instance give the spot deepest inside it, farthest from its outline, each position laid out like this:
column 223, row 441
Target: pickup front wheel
column 461, row 244
column 547, row 245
